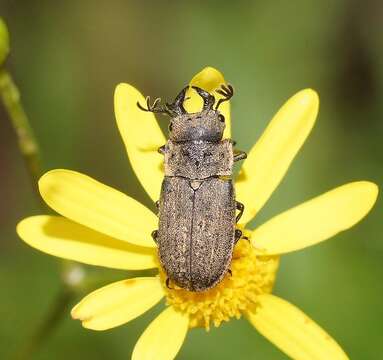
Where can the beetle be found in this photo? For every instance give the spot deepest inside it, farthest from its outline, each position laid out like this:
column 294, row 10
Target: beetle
column 197, row 206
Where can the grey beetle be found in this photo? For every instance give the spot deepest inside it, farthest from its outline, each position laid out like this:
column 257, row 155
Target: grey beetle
column 197, row 207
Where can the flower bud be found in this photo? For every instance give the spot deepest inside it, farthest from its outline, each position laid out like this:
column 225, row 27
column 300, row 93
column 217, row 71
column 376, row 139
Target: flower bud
column 4, row 41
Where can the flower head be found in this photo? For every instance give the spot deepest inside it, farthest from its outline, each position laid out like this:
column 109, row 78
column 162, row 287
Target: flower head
column 251, row 276
column 101, row 226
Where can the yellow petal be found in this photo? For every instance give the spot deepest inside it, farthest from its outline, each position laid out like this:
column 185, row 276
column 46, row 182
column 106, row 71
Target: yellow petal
column 316, row 220
column 273, row 153
column 118, row 303
column 292, row 331
column 163, row 338
column 64, row 238
column 209, row 79
column 142, row 137
column 97, row 206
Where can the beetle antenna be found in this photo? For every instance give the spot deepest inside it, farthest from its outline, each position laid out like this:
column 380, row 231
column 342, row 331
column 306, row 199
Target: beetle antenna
column 227, row 92
column 208, row 99
column 154, row 108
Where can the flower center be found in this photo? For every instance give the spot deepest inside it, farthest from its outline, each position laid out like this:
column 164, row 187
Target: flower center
column 251, row 276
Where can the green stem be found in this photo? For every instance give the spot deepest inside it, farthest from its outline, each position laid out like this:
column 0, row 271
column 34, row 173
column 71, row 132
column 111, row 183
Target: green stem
column 29, row 148
column 58, row 309
column 72, row 274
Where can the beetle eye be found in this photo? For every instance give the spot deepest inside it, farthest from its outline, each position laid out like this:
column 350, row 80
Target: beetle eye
column 170, row 126
column 221, row 118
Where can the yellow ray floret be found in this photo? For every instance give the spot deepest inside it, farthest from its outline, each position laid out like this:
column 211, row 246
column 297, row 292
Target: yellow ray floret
column 97, row 206
column 58, row 236
column 316, row 220
column 269, row 159
column 292, row 331
column 118, row 303
column 142, row 137
column 163, row 338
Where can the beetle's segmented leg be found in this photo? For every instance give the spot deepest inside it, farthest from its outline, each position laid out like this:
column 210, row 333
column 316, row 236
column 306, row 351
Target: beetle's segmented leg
column 155, row 235
column 238, row 235
column 246, row 238
column 240, row 155
column 157, row 204
column 239, row 206
column 227, row 92
column 161, row 150
column 167, row 282
column 230, row 272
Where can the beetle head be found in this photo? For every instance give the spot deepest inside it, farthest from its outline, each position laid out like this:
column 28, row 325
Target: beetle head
column 208, row 124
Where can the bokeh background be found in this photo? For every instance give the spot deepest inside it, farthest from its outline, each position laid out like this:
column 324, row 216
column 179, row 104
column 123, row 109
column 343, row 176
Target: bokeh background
column 67, row 57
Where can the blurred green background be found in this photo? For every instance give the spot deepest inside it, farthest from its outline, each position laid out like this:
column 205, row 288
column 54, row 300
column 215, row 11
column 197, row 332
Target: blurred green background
column 67, row 58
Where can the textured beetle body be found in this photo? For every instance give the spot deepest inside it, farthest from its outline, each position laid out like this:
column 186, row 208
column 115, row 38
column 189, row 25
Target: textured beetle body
column 197, row 222
column 198, row 159
column 197, row 206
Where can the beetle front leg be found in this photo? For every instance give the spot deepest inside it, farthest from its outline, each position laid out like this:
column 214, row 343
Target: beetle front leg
column 238, row 235
column 161, row 150
column 155, row 235
column 167, row 282
column 240, row 155
column 239, row 206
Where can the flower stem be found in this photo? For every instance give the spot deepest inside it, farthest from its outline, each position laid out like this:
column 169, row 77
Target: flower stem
column 28, row 146
column 52, row 319
column 71, row 274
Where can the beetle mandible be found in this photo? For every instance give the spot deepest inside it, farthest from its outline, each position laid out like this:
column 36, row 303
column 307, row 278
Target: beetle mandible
column 197, row 206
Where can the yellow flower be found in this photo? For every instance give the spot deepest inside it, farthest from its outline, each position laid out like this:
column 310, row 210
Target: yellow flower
column 101, row 226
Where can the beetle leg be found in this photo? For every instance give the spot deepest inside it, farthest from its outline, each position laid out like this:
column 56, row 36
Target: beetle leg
column 241, row 209
column 238, row 234
column 155, row 235
column 230, row 272
column 240, row 155
column 167, row 282
column 161, row 149
column 157, row 204
column 246, row 238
